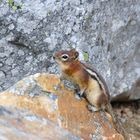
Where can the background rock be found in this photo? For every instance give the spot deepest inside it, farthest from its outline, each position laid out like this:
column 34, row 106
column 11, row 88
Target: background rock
column 109, row 31
column 129, row 112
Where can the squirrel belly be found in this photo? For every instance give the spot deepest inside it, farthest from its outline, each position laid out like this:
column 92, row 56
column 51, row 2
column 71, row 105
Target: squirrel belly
column 95, row 95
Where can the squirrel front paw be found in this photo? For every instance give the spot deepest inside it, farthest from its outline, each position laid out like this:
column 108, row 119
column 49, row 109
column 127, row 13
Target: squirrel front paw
column 93, row 108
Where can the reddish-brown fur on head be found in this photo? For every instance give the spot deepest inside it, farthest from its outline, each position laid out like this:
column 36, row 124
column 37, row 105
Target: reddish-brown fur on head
column 66, row 56
column 71, row 67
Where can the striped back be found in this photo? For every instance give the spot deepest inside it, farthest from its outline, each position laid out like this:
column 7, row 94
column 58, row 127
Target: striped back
column 95, row 75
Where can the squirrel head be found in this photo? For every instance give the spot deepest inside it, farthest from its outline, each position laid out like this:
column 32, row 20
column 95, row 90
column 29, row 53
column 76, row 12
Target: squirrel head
column 65, row 56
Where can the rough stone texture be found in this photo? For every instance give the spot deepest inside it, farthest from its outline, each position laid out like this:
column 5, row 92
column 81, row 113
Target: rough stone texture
column 108, row 30
column 18, row 124
column 130, row 114
column 45, row 96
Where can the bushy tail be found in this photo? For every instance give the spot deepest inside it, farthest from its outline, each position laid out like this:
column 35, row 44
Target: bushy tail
column 116, row 122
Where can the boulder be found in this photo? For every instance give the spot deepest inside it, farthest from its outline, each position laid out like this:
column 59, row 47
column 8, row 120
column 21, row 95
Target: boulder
column 40, row 107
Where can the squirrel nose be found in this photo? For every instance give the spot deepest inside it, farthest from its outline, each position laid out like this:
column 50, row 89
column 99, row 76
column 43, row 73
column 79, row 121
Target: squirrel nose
column 53, row 57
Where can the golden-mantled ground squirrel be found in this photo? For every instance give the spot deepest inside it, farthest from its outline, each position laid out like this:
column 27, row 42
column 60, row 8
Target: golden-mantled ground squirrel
column 90, row 83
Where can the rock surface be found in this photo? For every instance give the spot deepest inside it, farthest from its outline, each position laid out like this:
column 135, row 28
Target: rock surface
column 107, row 31
column 44, row 105
column 129, row 113
column 17, row 124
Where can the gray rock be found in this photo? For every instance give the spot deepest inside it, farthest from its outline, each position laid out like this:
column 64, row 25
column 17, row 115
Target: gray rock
column 109, row 31
column 20, row 52
column 9, row 61
column 1, row 64
column 15, row 71
column 11, row 27
column 2, row 77
column 1, row 49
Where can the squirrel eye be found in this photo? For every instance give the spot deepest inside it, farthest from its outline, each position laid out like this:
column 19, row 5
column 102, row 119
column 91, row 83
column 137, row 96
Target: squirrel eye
column 64, row 57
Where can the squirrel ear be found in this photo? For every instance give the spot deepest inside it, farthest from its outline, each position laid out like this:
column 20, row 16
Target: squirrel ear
column 76, row 55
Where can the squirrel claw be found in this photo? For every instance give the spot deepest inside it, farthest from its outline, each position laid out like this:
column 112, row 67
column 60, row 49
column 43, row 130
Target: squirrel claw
column 77, row 96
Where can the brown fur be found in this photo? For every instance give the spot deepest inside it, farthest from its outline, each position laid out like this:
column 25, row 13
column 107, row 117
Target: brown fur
column 76, row 74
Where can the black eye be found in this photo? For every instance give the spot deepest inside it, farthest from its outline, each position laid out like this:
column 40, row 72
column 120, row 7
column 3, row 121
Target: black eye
column 64, row 57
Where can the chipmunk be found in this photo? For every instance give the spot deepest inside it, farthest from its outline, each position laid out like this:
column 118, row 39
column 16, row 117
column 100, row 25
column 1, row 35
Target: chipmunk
column 90, row 83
